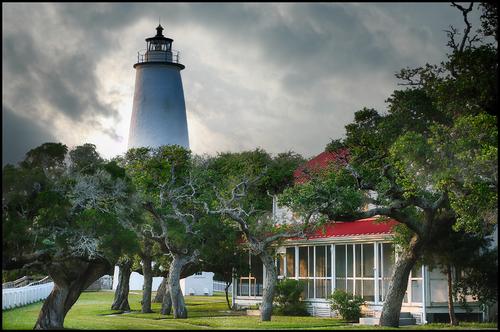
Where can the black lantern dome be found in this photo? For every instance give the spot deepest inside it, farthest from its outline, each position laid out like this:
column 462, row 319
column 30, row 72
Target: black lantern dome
column 159, row 49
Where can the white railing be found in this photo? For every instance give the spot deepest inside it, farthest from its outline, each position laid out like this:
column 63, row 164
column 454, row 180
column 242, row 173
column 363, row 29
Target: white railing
column 21, row 296
column 45, row 280
column 220, row 286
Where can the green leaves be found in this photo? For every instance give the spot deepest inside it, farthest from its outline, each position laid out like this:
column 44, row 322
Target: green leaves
column 72, row 205
column 288, row 298
column 346, row 304
column 333, row 192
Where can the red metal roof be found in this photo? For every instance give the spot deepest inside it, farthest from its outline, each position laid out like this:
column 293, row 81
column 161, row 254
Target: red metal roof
column 321, row 161
column 368, row 226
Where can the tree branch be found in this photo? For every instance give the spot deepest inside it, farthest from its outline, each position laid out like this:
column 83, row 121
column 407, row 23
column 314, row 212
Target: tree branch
column 18, row 262
column 465, row 12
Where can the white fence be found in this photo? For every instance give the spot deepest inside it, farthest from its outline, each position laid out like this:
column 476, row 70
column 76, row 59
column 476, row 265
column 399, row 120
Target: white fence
column 18, row 297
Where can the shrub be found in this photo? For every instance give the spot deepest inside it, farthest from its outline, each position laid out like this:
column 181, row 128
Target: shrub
column 288, row 298
column 346, row 304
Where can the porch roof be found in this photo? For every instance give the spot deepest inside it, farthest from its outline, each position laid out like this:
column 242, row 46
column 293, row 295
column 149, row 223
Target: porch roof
column 368, row 226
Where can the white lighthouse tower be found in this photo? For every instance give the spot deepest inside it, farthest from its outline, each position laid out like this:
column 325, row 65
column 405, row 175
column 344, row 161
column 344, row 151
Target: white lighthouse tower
column 159, row 111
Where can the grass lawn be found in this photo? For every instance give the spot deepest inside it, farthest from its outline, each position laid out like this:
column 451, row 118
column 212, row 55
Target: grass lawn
column 91, row 311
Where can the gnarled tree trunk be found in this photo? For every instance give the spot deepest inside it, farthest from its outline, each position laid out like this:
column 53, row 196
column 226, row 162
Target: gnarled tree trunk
column 161, row 291
column 178, row 305
column 71, row 277
column 451, row 307
column 166, row 305
column 122, row 289
column 266, row 308
column 187, row 270
column 399, row 283
column 147, row 273
column 226, row 290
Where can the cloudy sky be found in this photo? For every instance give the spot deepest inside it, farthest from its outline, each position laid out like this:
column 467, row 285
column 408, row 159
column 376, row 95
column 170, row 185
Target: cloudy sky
column 280, row 76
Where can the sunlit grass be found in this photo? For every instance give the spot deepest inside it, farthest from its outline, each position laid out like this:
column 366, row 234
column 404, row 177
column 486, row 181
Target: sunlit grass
column 92, row 311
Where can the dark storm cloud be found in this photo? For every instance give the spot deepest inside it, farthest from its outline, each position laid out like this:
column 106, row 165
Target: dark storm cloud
column 21, row 134
column 329, row 59
column 64, row 79
column 49, row 71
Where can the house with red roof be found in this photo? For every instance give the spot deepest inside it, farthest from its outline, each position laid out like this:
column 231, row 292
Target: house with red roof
column 356, row 256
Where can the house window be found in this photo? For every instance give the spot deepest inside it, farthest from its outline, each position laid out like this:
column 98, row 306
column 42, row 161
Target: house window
column 415, row 284
column 198, row 273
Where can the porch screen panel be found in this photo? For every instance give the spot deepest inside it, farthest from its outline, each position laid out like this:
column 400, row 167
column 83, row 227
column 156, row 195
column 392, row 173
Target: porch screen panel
column 311, row 261
column 388, row 256
column 321, row 288
column 368, row 290
column 311, row 280
column 368, row 261
column 320, row 276
column 367, row 272
column 416, row 291
column 280, row 265
column 328, row 261
column 328, row 287
column 303, row 260
column 320, row 262
column 340, row 265
column 358, row 290
column 358, row 261
column 257, row 272
column 243, row 283
column 290, row 262
column 243, row 289
column 310, row 287
column 388, row 259
column 416, row 283
column 349, row 261
column 350, row 288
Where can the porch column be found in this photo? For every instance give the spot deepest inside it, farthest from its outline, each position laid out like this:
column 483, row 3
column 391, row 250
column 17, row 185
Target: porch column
column 375, row 270
column 233, row 295
column 296, row 262
column 334, row 282
column 424, row 299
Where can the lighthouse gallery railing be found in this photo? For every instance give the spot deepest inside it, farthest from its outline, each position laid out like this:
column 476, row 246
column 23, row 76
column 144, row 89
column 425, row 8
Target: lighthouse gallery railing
column 172, row 56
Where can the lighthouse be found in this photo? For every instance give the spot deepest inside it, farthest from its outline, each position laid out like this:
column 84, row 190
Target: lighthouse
column 159, row 110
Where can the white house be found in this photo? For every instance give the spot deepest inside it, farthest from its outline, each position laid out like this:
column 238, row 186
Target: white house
column 356, row 256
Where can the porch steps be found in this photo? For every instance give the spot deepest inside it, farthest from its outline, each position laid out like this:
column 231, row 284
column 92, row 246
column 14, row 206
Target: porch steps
column 405, row 318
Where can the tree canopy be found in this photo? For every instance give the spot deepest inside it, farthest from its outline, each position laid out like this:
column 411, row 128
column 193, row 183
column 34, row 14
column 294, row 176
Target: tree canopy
column 429, row 162
column 66, row 214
